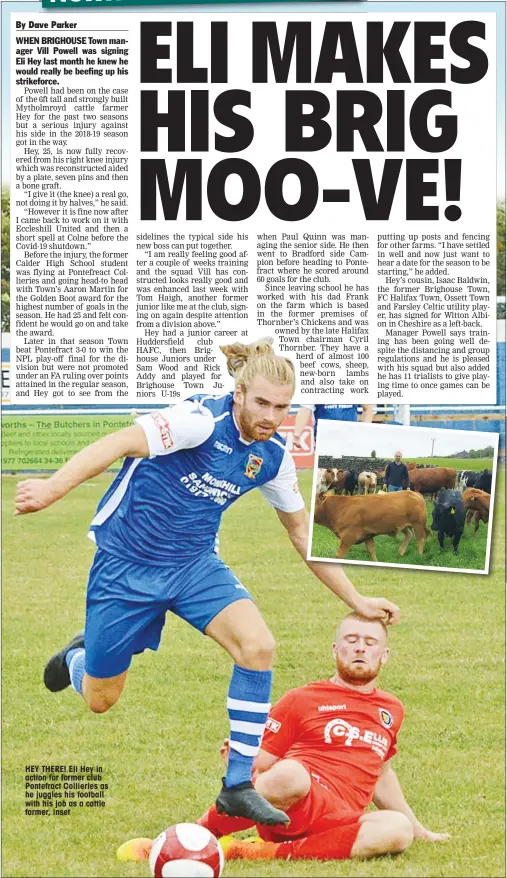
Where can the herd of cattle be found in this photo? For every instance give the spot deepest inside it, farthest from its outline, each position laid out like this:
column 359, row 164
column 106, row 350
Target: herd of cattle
column 373, row 512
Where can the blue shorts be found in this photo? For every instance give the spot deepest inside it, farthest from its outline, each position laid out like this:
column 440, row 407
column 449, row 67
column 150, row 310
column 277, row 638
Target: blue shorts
column 126, row 605
column 392, row 488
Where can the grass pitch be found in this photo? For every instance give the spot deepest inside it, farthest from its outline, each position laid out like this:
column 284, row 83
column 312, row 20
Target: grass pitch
column 159, row 745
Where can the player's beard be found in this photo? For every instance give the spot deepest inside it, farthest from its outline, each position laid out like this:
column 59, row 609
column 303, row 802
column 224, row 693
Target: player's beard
column 357, row 674
column 251, row 429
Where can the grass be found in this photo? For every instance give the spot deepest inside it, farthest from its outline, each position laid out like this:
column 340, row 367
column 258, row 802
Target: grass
column 471, row 551
column 159, row 745
column 475, row 464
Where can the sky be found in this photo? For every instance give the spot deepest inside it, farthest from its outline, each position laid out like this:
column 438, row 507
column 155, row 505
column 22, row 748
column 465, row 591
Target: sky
column 7, row 8
column 346, row 439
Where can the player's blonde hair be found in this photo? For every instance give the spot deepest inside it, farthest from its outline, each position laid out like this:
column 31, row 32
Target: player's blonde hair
column 245, row 361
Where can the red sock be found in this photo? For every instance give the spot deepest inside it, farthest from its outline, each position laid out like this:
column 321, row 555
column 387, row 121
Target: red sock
column 222, row 824
column 334, row 844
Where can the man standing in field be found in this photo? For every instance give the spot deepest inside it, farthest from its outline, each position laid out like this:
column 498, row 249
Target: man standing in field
column 156, row 534
column 396, row 475
column 324, row 757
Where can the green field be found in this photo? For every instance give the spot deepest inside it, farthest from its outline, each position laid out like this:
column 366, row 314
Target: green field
column 159, row 745
column 471, row 550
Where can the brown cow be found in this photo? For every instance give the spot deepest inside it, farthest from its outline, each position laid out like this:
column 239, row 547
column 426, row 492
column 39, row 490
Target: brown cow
column 477, row 506
column 359, row 519
column 339, row 483
column 430, row 481
column 331, row 479
column 410, row 466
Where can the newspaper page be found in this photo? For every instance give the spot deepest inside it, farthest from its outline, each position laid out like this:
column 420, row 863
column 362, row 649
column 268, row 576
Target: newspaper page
column 253, row 245
column 181, row 182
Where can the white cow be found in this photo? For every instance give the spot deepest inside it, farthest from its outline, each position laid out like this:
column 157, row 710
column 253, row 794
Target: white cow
column 367, row 483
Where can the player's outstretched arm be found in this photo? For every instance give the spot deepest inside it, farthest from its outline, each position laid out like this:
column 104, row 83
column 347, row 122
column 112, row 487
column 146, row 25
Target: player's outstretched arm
column 300, row 422
column 33, row 495
column 367, row 415
column 388, row 796
column 333, row 576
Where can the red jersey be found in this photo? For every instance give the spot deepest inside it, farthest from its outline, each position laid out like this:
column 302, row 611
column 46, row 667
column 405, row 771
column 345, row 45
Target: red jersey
column 343, row 737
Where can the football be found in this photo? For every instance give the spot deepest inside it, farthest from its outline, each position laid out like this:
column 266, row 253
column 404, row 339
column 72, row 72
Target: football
column 186, row 850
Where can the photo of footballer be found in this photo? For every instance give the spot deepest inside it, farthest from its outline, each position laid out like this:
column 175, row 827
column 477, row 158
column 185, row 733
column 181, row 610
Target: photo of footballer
column 156, row 532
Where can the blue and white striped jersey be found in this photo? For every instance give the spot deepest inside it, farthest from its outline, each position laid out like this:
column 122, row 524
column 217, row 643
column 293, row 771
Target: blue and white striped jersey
column 167, row 508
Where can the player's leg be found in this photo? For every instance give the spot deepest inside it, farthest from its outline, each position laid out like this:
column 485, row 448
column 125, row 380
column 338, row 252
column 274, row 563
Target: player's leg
column 369, row 835
column 102, row 693
column 382, row 832
column 123, row 617
column 286, row 783
column 333, row 844
column 68, row 668
column 222, row 824
column 240, row 629
column 211, row 598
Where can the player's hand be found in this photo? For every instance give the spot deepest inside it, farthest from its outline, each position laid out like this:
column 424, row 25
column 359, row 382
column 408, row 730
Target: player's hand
column 224, row 751
column 380, row 608
column 423, row 834
column 32, row 495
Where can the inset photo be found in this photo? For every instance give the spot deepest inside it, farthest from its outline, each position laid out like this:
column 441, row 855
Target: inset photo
column 403, row 496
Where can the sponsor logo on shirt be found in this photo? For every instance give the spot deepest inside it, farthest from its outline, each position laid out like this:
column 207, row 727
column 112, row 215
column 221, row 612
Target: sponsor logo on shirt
column 253, row 466
column 332, row 707
column 273, row 725
column 218, row 490
column 221, row 447
column 338, row 728
column 385, row 717
column 163, row 428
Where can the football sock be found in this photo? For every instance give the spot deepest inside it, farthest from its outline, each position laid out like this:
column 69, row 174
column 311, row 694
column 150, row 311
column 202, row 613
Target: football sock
column 75, row 660
column 248, row 708
column 222, row 824
column 335, row 844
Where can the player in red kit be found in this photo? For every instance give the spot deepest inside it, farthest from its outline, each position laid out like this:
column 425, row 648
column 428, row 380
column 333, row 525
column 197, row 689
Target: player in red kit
column 325, row 756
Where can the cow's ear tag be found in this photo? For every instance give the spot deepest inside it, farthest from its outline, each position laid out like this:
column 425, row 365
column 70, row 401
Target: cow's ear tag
column 453, row 511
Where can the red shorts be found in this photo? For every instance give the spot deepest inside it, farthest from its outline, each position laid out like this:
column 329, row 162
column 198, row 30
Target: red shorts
column 321, row 809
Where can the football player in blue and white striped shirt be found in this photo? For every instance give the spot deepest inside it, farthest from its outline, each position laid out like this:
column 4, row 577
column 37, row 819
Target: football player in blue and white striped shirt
column 156, row 535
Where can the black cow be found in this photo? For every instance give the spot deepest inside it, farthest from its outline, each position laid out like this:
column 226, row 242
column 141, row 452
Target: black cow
column 483, row 483
column 351, row 482
column 449, row 517
column 467, row 479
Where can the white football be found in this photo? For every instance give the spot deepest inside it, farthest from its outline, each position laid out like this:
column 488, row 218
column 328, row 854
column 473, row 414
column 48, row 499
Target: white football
column 186, row 850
